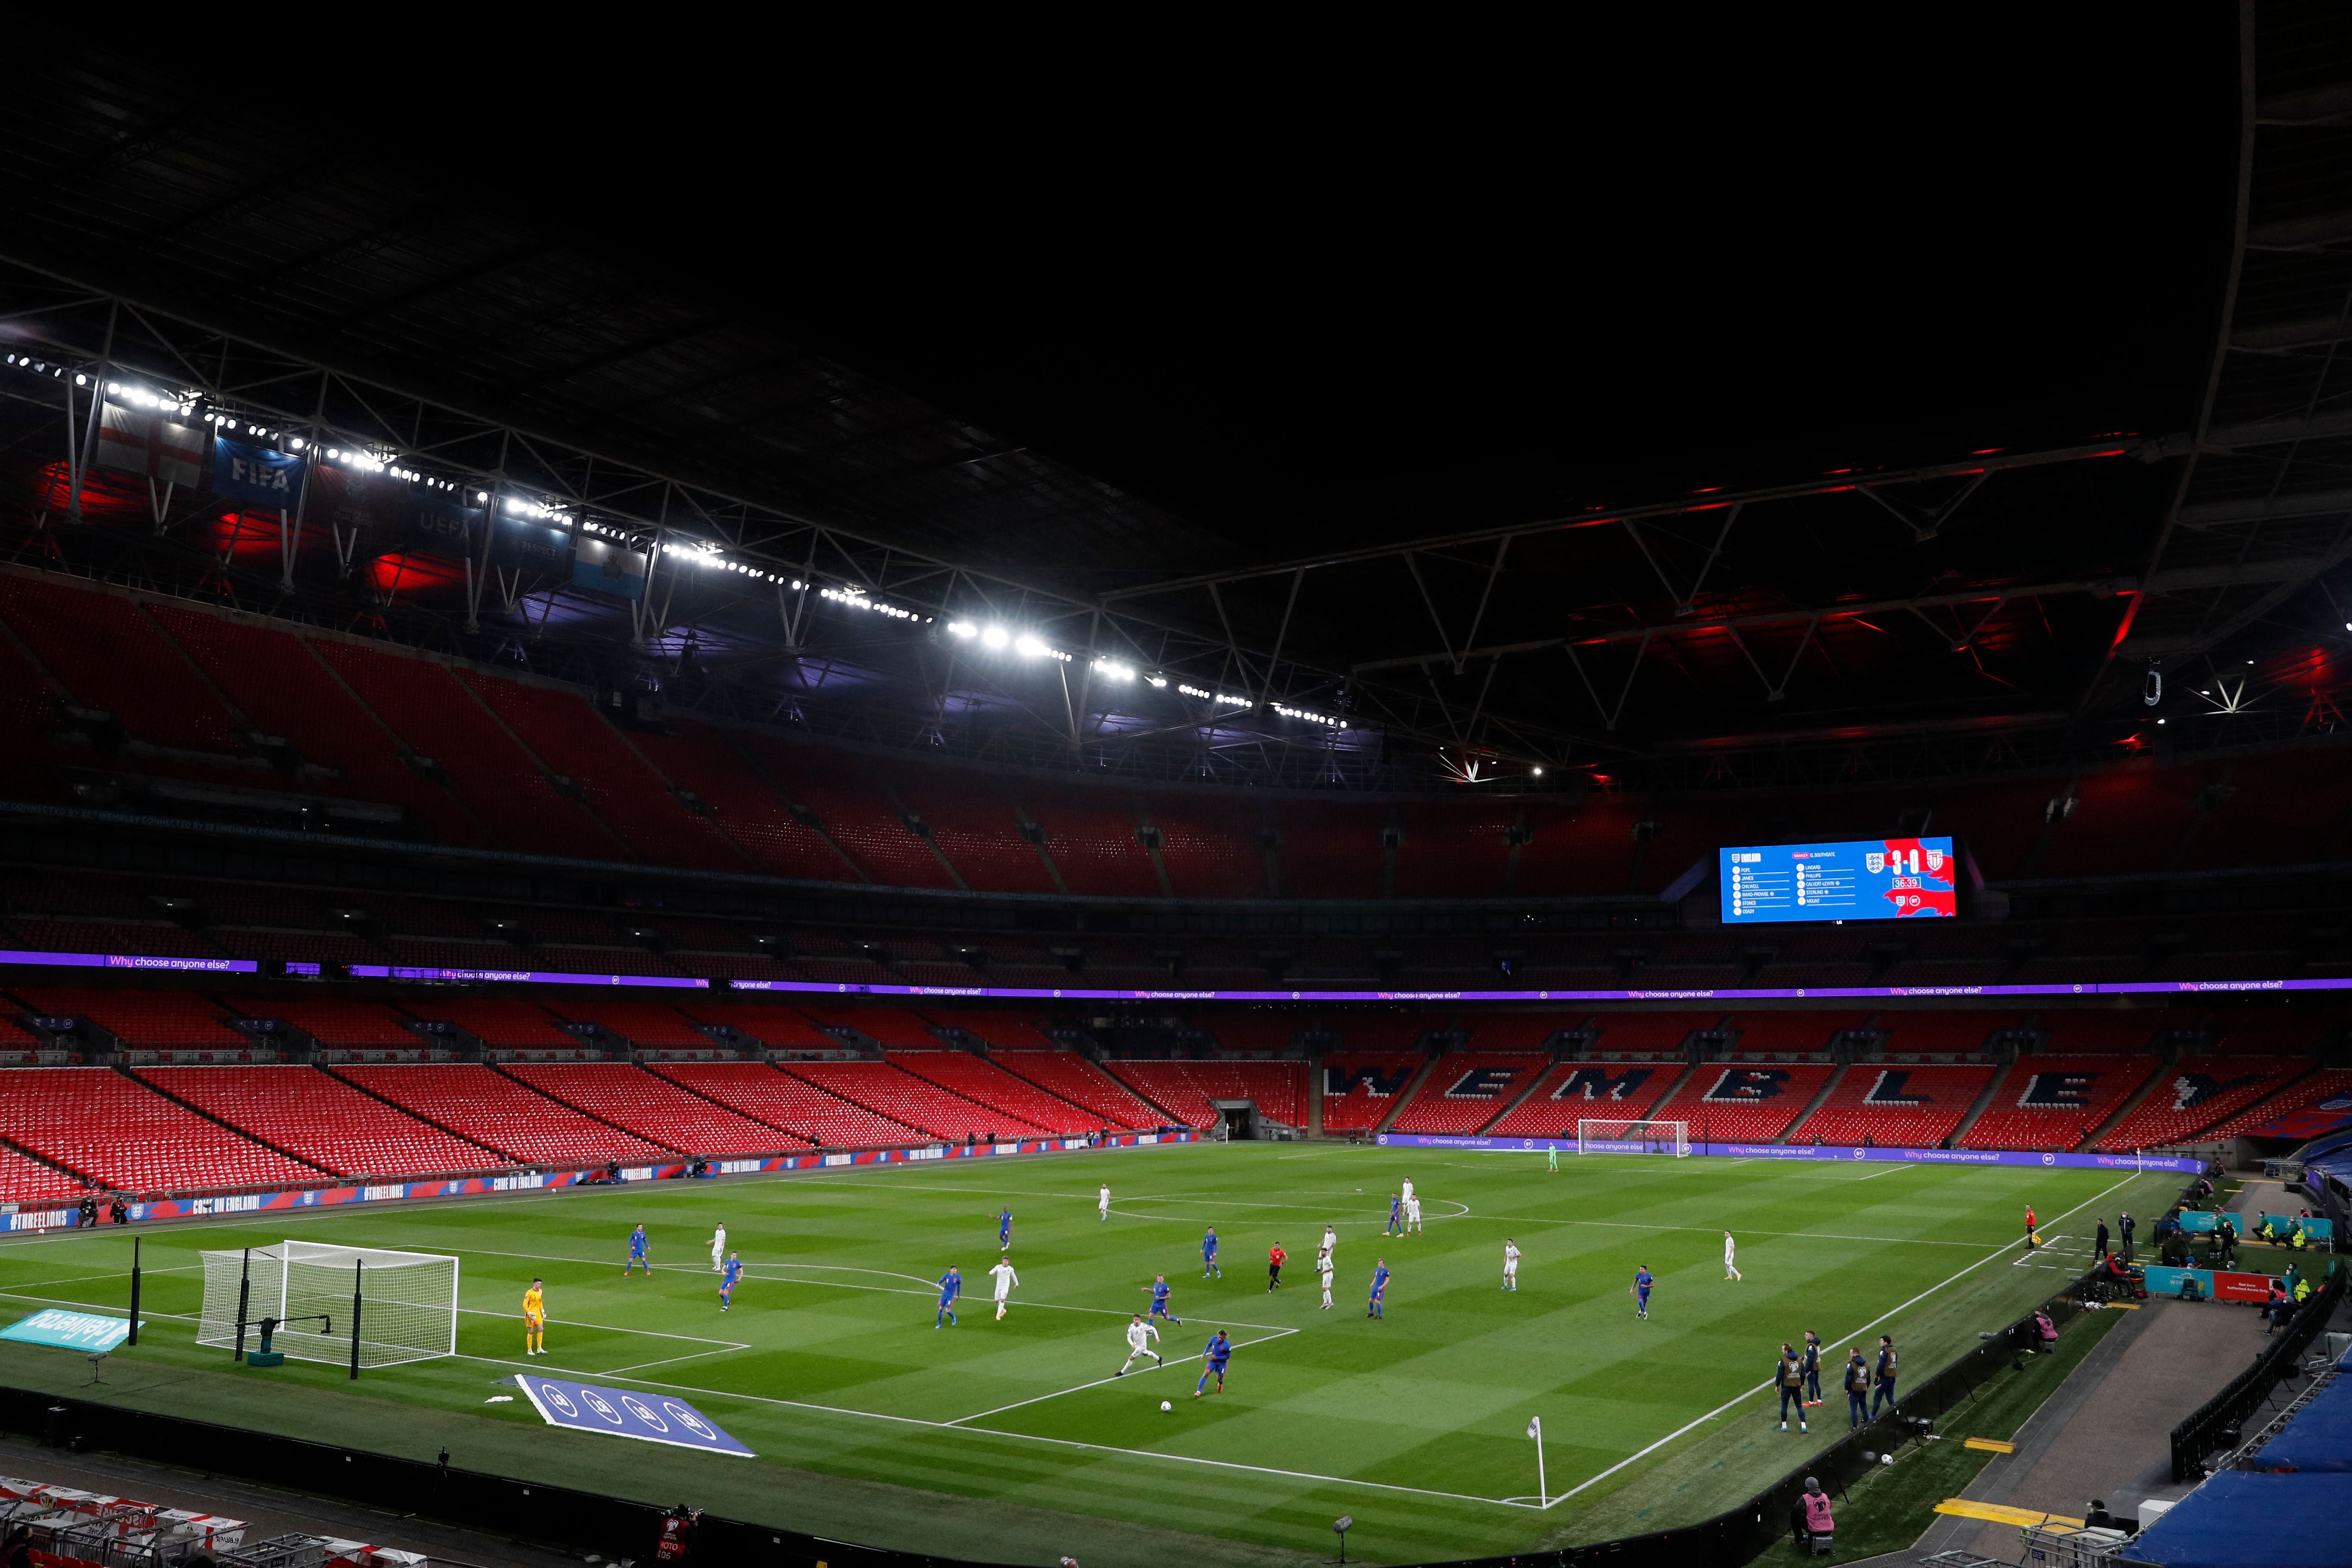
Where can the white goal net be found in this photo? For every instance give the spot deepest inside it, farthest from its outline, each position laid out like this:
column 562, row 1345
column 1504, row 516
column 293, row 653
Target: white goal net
column 1622, row 1137
column 406, row 1307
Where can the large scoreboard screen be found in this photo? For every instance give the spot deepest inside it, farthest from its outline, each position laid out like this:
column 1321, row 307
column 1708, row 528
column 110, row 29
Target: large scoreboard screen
column 1867, row 879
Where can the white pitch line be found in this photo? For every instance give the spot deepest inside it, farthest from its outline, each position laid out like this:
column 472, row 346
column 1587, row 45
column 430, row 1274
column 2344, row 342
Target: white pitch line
column 1857, row 1334
column 1027, row 1437
column 1081, row 1388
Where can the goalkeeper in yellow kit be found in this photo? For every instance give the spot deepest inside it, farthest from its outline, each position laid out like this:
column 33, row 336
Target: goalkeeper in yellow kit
column 534, row 1320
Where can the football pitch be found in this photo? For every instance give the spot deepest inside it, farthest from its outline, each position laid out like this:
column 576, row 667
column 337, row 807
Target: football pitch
column 1012, row 1441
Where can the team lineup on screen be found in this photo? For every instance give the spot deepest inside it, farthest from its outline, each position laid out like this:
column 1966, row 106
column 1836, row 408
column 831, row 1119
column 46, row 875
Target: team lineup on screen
column 1863, row 879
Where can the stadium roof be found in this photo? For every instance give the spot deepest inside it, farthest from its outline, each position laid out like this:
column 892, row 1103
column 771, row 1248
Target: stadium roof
column 1432, row 518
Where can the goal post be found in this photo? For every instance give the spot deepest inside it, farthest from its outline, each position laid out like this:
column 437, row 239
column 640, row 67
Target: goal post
column 1633, row 1137
column 410, row 1313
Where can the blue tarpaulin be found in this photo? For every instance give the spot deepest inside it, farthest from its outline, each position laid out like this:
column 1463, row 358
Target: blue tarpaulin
column 2318, row 1438
column 2241, row 1519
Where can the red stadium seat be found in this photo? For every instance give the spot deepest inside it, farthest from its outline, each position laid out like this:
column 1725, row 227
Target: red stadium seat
column 1591, row 1090
column 1071, row 1077
column 489, row 1108
column 1186, row 1089
column 1465, row 1090
column 778, row 1099
column 1360, row 1087
column 2055, row 1103
column 128, row 1138
column 323, row 1120
column 1895, row 1104
column 996, row 1088
column 653, row 1108
column 903, row 1096
column 1747, row 1102
column 2196, row 1092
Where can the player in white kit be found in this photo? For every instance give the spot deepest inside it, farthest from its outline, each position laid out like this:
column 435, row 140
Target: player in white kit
column 1140, row 1338
column 1412, row 1215
column 1510, row 1264
column 1102, row 1202
column 719, row 1249
column 1729, row 1270
column 1331, row 1238
column 1405, row 1190
column 1323, row 1263
column 1005, row 1280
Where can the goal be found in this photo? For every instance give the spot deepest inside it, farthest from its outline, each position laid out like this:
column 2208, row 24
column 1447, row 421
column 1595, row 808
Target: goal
column 405, row 1302
column 1633, row 1138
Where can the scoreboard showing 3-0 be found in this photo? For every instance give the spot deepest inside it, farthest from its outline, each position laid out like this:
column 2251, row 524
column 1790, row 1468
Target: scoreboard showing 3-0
column 1867, row 879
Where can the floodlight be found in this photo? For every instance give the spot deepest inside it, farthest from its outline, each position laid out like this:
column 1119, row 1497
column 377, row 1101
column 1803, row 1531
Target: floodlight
column 297, row 443
column 994, row 637
column 1030, row 647
column 82, row 381
column 481, row 495
column 1538, row 773
column 1157, row 681
column 963, row 628
column 112, row 387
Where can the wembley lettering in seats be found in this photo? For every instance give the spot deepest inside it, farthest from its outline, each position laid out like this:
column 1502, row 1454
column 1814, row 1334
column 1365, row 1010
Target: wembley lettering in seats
column 2058, row 1090
column 1341, row 1081
column 1595, row 1083
column 1748, row 1084
column 2192, row 1089
column 1889, row 1090
column 1482, row 1083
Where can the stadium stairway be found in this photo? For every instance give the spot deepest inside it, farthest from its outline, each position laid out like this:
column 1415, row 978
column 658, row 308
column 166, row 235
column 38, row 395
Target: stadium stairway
column 1428, row 1068
column 1658, row 1110
column 1315, row 1096
column 1519, row 1099
column 193, row 1109
column 1821, row 1098
column 508, row 1155
column 2131, row 1102
column 1986, row 1099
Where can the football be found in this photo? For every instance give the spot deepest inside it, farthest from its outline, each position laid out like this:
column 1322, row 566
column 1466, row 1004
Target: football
column 1165, row 1405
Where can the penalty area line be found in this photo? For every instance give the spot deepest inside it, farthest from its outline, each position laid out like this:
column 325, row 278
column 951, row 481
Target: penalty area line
column 1884, row 1317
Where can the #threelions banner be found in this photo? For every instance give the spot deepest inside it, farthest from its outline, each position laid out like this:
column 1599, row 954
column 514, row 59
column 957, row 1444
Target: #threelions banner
column 623, row 1413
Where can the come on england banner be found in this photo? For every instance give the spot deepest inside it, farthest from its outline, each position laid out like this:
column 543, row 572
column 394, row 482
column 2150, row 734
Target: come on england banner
column 650, row 1418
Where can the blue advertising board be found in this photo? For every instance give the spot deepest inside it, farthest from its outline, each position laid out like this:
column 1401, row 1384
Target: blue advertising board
column 1860, row 879
column 624, row 1413
column 69, row 1330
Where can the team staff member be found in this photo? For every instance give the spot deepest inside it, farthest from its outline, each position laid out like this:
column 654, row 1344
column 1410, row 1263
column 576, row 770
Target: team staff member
column 534, row 1319
column 1857, row 1389
column 1812, row 1354
column 1885, row 1397
column 1788, row 1376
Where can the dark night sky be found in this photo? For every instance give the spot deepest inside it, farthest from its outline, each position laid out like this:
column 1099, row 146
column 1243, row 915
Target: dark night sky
column 1316, row 298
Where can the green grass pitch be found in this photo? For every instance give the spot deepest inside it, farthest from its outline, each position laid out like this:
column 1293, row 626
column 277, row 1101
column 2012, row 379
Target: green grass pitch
column 1012, row 1441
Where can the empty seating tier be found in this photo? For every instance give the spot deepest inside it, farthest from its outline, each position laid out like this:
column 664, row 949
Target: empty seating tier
column 996, row 1090
column 1895, row 1105
column 646, row 1024
column 2326, row 1095
column 159, row 1019
column 1582, row 1091
column 776, row 1097
column 25, row 1180
column 128, row 1138
column 2055, row 1103
column 492, row 1110
column 335, row 1021
column 1079, row 1081
column 1185, row 1089
column 903, row 1096
column 499, row 1021
column 322, row 1119
column 1747, row 1102
column 1360, row 1087
column 2196, row 1092
column 1466, row 1089
column 653, row 1108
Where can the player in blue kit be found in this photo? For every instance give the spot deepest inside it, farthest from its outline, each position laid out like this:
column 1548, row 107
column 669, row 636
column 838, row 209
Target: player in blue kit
column 636, row 1253
column 1160, row 1300
column 1004, row 1229
column 1641, row 1283
column 1213, row 1357
column 1209, row 1265
column 727, row 1284
column 950, row 1287
column 1379, row 1288
column 1396, row 1214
